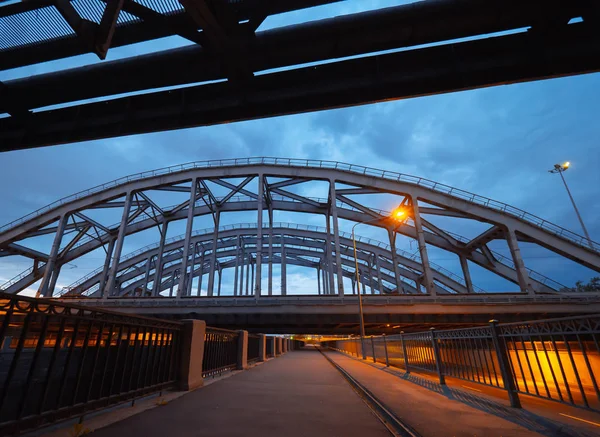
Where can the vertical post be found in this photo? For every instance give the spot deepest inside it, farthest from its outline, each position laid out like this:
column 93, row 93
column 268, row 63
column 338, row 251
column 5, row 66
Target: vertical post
column 284, row 345
column 49, row 270
column 522, row 274
column 242, row 261
column 183, row 277
column 270, row 291
column 392, row 237
column 201, row 273
column 328, row 259
column 378, row 267
column 52, row 285
column 237, row 264
column 467, row 275
column 190, row 282
column 147, row 275
column 373, row 349
column 274, row 342
column 262, row 347
column 192, row 354
column 319, row 280
column 109, row 250
column 403, row 344
column 248, row 264
column 283, row 269
column 505, row 369
column 159, row 262
column 252, row 279
column 213, row 256
column 220, row 279
column 387, row 359
column 336, row 239
column 242, row 352
column 112, row 273
column 259, row 241
column 437, row 357
column 427, row 274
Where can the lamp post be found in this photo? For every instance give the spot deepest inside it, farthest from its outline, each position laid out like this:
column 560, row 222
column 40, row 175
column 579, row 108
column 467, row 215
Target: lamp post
column 398, row 214
column 560, row 169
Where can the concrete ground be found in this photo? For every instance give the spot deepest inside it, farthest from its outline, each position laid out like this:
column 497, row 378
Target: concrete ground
column 435, row 410
column 298, row 394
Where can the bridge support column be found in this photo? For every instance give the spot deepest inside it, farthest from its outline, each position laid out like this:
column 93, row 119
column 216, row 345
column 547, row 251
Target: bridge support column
column 192, row 353
column 213, row 256
column 466, row 273
column 220, row 269
column 336, row 240
column 159, row 264
column 522, row 274
column 259, row 241
column 146, row 275
column 201, row 272
column 109, row 250
column 270, row 254
column 392, row 237
column 237, row 265
column 279, row 349
column 262, row 347
column 427, row 274
column 378, row 267
column 248, row 268
column 284, row 345
column 319, row 280
column 242, row 352
column 183, row 277
column 112, row 273
column 50, row 270
column 273, row 341
column 283, row 269
column 329, row 258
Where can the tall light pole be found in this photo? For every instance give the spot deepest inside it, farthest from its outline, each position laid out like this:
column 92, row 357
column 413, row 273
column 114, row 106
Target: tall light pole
column 398, row 214
column 560, row 169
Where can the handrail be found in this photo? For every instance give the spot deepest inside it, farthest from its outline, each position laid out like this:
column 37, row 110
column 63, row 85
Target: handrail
column 285, row 225
column 351, row 168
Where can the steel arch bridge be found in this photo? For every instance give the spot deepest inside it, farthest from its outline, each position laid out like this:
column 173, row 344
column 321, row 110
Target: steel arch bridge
column 163, row 273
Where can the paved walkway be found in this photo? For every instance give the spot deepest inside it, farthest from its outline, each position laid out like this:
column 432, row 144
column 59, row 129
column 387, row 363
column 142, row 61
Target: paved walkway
column 435, row 410
column 298, row 394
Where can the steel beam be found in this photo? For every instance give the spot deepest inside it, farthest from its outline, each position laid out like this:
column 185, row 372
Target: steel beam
column 493, row 61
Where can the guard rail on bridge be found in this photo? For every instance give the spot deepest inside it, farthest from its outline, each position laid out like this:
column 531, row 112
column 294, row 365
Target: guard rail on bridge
column 557, row 359
column 59, row 361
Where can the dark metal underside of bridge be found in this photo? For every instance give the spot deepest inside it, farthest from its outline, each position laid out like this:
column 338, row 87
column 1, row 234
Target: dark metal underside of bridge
column 231, row 72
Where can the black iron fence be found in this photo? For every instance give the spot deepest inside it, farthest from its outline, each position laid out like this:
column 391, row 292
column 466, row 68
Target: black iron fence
column 557, row 359
column 220, row 351
column 59, row 361
column 253, row 348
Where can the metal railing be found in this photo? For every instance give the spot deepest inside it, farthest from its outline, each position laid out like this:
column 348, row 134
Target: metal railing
column 351, row 168
column 220, row 351
column 59, row 361
column 556, row 359
column 253, row 353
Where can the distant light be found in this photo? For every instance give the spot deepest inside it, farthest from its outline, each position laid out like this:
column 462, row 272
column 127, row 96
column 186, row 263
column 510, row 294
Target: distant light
column 566, row 164
column 397, row 326
column 388, row 325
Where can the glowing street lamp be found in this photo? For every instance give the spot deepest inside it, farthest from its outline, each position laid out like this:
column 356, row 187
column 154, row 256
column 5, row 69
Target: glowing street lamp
column 399, row 214
column 560, row 169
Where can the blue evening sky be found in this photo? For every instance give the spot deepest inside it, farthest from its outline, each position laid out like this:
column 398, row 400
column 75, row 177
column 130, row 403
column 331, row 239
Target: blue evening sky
column 497, row 142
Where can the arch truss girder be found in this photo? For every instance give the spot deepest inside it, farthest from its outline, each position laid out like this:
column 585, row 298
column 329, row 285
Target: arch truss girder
column 293, row 236
column 76, row 233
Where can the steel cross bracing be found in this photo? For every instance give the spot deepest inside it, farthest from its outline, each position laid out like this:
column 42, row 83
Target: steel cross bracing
column 441, row 46
column 273, row 184
column 304, row 245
